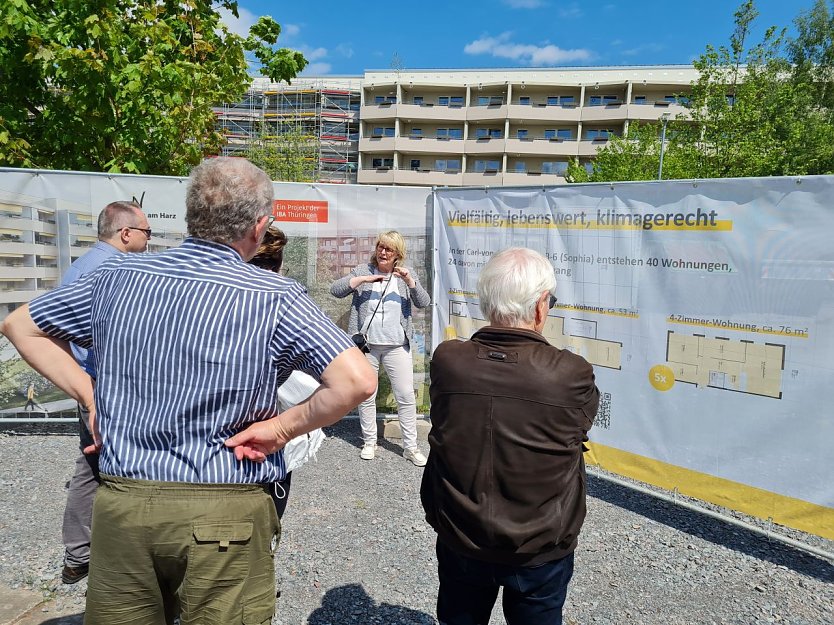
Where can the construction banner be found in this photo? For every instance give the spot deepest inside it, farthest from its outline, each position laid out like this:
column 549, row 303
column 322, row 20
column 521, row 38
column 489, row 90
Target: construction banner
column 707, row 310
column 48, row 219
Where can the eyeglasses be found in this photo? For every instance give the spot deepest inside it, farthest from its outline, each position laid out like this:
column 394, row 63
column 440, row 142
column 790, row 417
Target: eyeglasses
column 553, row 301
column 384, row 248
column 270, row 219
column 147, row 231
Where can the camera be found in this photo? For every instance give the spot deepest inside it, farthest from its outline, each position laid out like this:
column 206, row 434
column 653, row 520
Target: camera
column 361, row 341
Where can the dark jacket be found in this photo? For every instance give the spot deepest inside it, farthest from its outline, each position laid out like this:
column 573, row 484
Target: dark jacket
column 505, row 480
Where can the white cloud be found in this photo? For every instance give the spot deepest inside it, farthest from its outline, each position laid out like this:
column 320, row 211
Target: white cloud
column 290, row 30
column 317, row 69
column 570, row 12
column 313, row 54
column 345, row 50
column 528, row 54
column 524, row 4
column 238, row 25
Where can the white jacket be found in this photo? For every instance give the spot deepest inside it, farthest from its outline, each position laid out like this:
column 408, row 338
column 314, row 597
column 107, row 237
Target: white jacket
column 298, row 387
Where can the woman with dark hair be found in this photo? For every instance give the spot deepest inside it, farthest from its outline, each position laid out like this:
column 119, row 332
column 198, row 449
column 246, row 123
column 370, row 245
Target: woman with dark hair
column 384, row 290
column 298, row 387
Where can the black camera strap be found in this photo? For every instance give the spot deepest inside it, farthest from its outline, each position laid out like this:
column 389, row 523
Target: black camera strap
column 379, row 303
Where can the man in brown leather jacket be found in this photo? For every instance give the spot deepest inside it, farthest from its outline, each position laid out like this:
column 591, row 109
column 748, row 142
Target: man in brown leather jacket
column 505, row 482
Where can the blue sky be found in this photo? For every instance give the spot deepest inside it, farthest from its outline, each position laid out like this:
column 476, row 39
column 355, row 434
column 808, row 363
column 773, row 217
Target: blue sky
column 349, row 37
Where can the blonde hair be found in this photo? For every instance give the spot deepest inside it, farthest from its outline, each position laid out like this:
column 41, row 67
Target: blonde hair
column 392, row 239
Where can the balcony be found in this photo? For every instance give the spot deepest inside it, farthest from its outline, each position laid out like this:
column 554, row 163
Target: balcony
column 532, row 178
column 542, row 147
column 482, row 178
column 385, row 110
column 538, row 112
column 653, row 111
column 486, row 113
column 18, row 296
column 422, row 112
column 12, row 272
column 590, row 147
column 428, row 177
column 429, row 145
column 377, row 144
column 604, row 113
column 484, row 146
column 380, row 175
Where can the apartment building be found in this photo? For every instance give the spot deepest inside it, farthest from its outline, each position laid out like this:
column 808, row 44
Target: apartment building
column 325, row 111
column 504, row 127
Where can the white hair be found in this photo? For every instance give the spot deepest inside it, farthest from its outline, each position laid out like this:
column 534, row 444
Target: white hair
column 511, row 283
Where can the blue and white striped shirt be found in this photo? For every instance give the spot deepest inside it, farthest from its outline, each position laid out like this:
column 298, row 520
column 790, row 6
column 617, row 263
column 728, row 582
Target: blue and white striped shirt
column 90, row 261
column 191, row 345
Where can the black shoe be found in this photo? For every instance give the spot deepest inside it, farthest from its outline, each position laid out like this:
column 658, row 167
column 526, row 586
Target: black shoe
column 74, row 574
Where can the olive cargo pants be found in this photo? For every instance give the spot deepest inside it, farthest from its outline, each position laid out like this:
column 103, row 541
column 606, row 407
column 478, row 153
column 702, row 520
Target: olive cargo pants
column 200, row 551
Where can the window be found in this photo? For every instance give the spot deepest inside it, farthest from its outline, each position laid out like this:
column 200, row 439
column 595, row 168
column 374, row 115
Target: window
column 442, row 133
column 602, row 100
column 456, row 133
column 495, row 133
column 383, row 132
column 487, row 166
column 520, row 167
column 452, row 164
column 639, row 99
column 524, row 100
column 418, row 100
column 381, row 163
column 731, row 99
column 566, row 134
column 598, row 135
column 416, row 132
column 490, row 100
column 445, row 100
column 415, row 164
column 481, row 133
column 550, row 134
column 522, row 133
column 555, row 167
column 568, row 100
column 552, row 100
column 385, row 99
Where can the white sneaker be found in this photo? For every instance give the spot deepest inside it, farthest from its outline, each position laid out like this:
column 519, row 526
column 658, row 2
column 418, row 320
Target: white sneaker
column 368, row 451
column 415, row 456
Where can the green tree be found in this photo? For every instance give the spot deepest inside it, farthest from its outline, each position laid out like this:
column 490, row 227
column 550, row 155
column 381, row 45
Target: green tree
column 285, row 153
column 753, row 111
column 124, row 85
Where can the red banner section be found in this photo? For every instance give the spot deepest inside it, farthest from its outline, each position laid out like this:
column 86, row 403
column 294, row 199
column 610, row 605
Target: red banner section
column 301, row 211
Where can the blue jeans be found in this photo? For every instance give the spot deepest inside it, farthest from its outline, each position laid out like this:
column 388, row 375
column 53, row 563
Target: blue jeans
column 533, row 595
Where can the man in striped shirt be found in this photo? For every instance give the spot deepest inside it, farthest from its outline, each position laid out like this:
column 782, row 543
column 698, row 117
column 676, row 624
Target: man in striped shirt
column 191, row 345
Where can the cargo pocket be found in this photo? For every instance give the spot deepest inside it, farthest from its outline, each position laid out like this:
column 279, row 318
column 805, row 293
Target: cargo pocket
column 219, row 551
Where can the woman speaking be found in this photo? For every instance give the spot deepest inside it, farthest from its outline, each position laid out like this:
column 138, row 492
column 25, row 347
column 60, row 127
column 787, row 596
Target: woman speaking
column 384, row 291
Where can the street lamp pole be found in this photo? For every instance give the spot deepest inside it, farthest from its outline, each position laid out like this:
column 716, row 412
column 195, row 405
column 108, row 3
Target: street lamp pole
column 665, row 119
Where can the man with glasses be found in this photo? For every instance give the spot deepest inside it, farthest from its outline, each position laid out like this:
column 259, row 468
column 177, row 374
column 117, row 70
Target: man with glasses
column 122, row 228
column 504, row 487
column 191, row 346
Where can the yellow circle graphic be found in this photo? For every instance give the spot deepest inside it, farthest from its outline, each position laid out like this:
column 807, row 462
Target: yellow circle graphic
column 661, row 377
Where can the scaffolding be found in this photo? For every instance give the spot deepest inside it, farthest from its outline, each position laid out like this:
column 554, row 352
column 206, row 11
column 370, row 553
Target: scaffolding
column 323, row 112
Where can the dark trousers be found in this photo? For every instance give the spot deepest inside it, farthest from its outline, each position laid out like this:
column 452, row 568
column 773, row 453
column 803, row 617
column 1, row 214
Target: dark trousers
column 280, row 493
column 468, row 589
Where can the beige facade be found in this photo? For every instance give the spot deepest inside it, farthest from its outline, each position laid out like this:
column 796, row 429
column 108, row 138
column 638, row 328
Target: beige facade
column 504, row 127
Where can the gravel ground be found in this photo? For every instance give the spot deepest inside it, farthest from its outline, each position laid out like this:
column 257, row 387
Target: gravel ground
column 355, row 548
